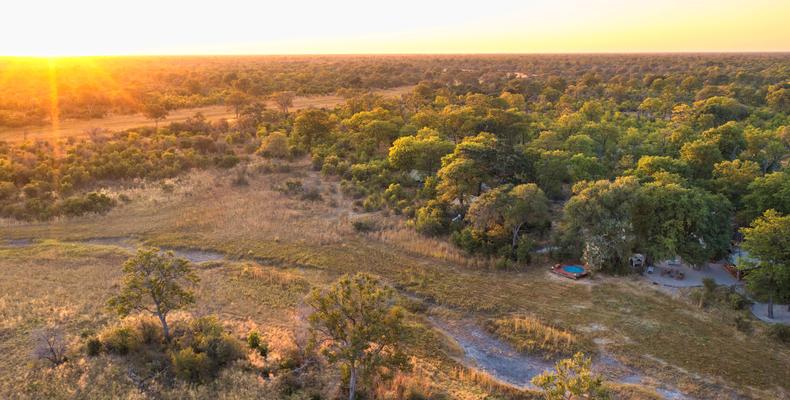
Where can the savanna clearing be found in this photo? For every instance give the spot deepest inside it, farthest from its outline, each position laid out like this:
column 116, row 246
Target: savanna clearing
column 277, row 246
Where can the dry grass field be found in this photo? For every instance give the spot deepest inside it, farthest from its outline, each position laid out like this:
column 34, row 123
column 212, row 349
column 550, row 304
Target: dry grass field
column 79, row 128
column 277, row 246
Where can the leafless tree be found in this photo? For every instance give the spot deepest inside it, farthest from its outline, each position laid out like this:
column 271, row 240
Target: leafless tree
column 50, row 344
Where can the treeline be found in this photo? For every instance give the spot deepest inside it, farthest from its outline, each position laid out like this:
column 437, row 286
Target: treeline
column 32, row 89
column 593, row 155
column 596, row 164
column 42, row 180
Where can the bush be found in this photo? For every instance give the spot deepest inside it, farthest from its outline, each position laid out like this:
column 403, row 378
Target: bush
column 121, row 340
column 524, row 250
column 275, row 145
column 93, row 347
column 372, row 203
column 98, row 203
column 190, row 366
column 149, row 331
column 253, row 340
column 226, row 161
column 743, row 324
column 312, row 194
column 528, row 334
column 736, row 301
column 292, row 186
column 779, row 332
column 210, row 347
column 364, row 225
column 431, row 219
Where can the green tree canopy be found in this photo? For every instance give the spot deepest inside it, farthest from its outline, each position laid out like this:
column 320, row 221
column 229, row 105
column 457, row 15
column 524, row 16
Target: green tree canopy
column 156, row 283
column 600, row 213
column 422, row 152
column 768, row 240
column 356, row 325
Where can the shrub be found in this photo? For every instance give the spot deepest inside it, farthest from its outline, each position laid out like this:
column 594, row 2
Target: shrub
column 226, row 161
column 524, row 250
column 98, row 203
column 253, row 340
column 292, row 186
column 312, row 194
column 743, row 324
column 372, row 203
column 431, row 219
column 50, row 345
column 211, row 350
column 7, row 190
column 737, row 301
column 121, row 340
column 149, row 330
column 221, row 351
column 275, row 145
column 93, row 346
column 779, row 332
column 364, row 225
column 191, row 366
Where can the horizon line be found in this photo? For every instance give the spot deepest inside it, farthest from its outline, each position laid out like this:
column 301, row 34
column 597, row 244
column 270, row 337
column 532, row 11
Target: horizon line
column 122, row 55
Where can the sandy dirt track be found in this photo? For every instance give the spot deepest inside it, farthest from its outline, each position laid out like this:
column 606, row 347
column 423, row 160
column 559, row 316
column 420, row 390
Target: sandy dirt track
column 77, row 128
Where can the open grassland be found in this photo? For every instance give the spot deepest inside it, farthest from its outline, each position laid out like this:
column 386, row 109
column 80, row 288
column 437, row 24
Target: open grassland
column 279, row 245
column 81, row 127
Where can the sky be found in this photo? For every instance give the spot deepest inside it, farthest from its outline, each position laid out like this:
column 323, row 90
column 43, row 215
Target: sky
column 123, row 27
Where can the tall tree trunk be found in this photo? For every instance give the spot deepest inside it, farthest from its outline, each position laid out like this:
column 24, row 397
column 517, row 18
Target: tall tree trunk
column 515, row 237
column 165, row 328
column 352, row 383
column 771, row 307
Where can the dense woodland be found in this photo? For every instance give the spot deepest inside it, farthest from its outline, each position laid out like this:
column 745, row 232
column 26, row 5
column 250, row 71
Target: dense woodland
column 571, row 157
column 595, row 156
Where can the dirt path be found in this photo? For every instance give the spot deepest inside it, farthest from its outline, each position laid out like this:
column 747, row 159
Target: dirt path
column 78, row 128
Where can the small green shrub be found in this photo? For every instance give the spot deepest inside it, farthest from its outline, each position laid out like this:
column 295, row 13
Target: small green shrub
column 524, row 250
column 191, row 366
column 291, row 186
column 253, row 340
column 736, row 301
column 121, row 340
column 363, row 225
column 312, row 194
column 431, row 219
column 263, row 349
column 91, row 203
column 274, row 145
column 93, row 346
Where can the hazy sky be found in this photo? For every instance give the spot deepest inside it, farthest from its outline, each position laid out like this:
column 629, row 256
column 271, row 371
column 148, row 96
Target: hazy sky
column 102, row 27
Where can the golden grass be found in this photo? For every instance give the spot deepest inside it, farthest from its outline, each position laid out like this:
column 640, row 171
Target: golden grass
column 528, row 334
column 666, row 337
column 406, row 238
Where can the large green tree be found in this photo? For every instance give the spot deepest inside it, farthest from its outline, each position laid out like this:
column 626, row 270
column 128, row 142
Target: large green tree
column 157, row 283
column 511, row 208
column 356, row 324
column 768, row 241
column 600, row 213
column 673, row 220
column 422, row 152
column 467, row 168
column 311, row 126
